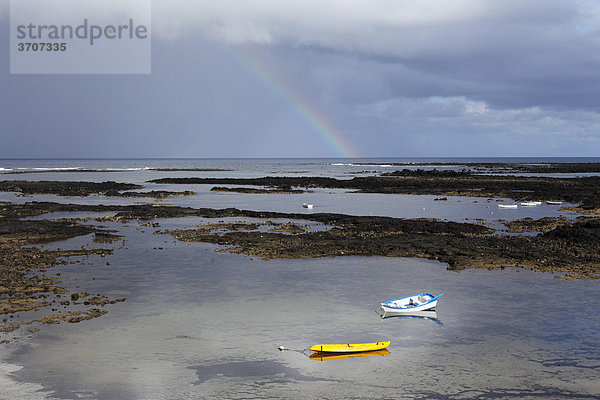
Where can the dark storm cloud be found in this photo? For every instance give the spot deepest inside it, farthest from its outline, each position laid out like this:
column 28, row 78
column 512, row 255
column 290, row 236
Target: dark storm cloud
column 510, row 65
column 460, row 77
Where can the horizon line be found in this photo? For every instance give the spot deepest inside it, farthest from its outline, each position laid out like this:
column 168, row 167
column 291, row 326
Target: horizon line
column 286, row 158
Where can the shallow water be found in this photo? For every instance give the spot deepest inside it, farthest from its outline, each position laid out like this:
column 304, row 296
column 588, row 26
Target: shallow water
column 201, row 324
column 458, row 209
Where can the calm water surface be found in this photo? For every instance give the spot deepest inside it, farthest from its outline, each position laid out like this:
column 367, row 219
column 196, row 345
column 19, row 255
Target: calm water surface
column 200, row 324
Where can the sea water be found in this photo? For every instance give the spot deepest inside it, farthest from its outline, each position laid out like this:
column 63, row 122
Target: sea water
column 201, row 324
column 140, row 171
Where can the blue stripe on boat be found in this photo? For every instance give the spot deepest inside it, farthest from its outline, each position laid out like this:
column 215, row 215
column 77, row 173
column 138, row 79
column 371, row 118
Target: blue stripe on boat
column 434, row 298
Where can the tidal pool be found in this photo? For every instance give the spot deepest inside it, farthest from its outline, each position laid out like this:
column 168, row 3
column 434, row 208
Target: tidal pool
column 202, row 325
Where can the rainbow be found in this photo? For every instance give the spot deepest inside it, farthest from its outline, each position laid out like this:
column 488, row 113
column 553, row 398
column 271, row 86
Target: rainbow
column 316, row 120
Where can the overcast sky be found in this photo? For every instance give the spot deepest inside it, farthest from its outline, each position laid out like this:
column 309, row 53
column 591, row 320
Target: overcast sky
column 371, row 78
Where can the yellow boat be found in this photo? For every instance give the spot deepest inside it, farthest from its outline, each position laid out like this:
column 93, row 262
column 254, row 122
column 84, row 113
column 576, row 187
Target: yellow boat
column 348, row 348
column 339, row 356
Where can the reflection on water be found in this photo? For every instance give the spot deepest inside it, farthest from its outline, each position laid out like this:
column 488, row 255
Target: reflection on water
column 324, row 200
column 197, row 324
column 424, row 315
column 204, row 325
column 341, row 356
column 249, row 369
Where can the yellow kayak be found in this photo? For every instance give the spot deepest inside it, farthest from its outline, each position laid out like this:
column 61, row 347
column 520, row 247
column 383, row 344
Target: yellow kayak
column 339, row 356
column 348, row 348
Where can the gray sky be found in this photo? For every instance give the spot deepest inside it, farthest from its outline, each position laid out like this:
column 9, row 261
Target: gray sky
column 273, row 78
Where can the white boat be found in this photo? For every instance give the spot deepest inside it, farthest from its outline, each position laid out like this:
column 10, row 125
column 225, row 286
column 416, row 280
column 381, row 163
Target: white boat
column 410, row 304
column 531, row 203
column 556, row 203
column 507, row 206
column 309, row 206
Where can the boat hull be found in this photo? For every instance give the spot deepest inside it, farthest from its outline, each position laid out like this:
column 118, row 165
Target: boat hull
column 339, row 356
column 531, row 203
column 389, row 311
column 410, row 304
column 349, row 347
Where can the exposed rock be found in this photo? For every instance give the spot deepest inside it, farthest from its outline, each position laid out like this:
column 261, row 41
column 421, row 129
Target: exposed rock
column 64, row 188
column 584, row 190
column 281, row 190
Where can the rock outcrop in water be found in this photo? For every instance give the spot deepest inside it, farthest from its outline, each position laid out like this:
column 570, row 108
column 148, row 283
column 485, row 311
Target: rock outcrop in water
column 459, row 245
column 280, row 190
column 568, row 247
column 66, row 188
column 24, row 285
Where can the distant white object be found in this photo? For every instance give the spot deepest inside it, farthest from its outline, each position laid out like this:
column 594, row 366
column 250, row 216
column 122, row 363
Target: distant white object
column 531, row 203
column 507, row 206
column 554, row 202
column 309, row 206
